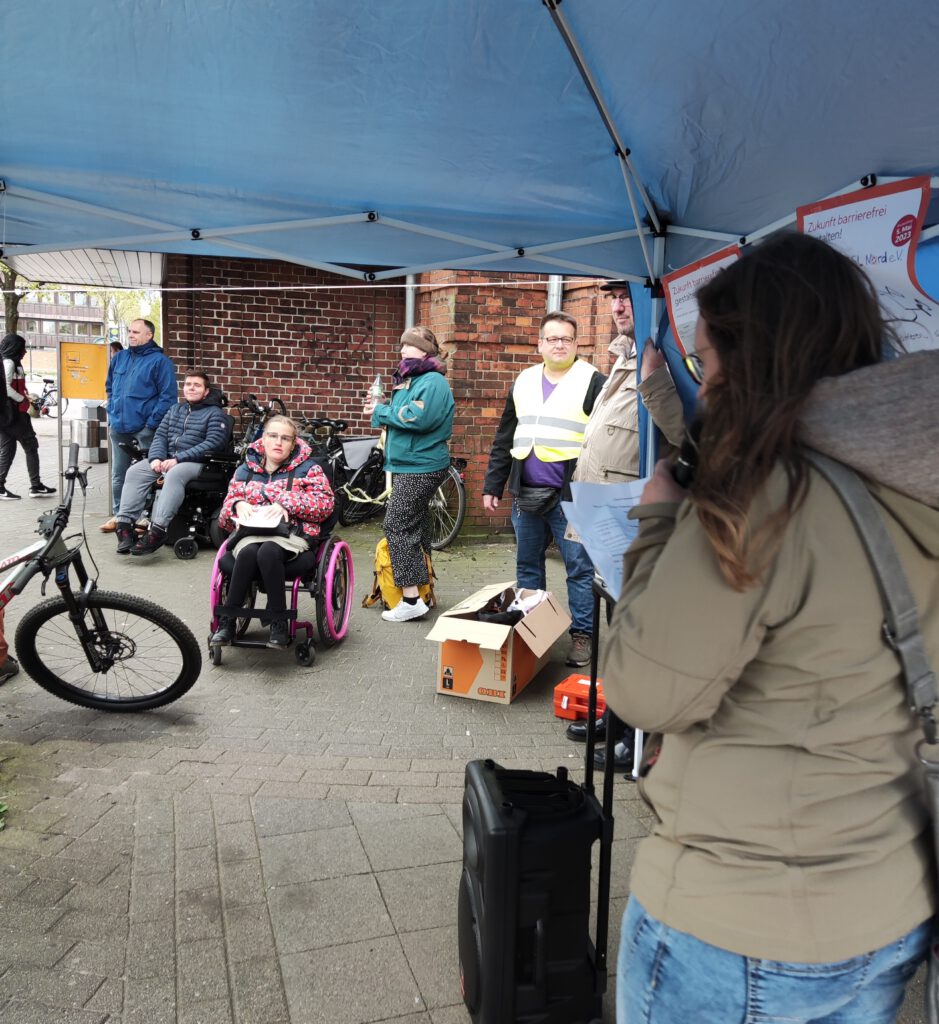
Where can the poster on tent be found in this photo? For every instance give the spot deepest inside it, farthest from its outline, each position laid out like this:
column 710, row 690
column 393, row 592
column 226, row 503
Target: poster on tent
column 878, row 228
column 680, row 293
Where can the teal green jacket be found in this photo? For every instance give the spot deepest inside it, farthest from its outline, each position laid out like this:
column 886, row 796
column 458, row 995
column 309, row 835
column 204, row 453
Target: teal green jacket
column 419, row 420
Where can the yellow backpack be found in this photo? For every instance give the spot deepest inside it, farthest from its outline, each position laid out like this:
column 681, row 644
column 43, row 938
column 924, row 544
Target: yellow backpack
column 385, row 589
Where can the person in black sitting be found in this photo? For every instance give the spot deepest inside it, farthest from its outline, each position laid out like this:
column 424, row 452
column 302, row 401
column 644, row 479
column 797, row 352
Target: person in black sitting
column 189, row 432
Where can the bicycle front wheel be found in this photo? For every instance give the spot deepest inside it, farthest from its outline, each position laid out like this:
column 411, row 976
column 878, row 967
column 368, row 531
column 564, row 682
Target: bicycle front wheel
column 146, row 656
column 447, row 510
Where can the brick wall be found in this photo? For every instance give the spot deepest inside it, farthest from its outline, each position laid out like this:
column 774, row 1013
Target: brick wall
column 320, row 348
column 317, row 349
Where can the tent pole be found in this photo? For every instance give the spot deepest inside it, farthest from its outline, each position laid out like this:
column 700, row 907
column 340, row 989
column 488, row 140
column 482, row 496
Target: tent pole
column 555, row 293
column 650, row 452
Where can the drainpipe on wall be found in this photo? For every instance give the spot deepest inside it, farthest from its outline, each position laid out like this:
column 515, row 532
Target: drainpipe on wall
column 555, row 292
column 410, row 297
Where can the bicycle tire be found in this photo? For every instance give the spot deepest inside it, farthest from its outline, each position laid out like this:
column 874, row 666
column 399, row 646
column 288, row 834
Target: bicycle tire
column 372, row 482
column 149, row 639
column 447, row 510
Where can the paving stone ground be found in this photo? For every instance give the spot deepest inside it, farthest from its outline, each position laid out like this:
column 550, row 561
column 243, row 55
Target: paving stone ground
column 280, row 846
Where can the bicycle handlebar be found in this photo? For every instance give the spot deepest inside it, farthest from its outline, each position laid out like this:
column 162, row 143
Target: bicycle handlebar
column 333, row 426
column 57, row 518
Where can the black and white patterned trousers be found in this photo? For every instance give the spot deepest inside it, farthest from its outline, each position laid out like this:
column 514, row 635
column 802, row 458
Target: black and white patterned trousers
column 407, row 525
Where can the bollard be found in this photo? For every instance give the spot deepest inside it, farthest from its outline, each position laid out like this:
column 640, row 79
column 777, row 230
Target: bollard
column 89, row 432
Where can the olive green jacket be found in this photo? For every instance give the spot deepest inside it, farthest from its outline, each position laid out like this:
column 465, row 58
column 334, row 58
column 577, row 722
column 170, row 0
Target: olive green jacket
column 790, row 823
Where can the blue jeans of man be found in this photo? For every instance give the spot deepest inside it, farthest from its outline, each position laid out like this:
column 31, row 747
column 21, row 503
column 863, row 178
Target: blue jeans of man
column 533, row 534
column 664, row 975
column 120, row 460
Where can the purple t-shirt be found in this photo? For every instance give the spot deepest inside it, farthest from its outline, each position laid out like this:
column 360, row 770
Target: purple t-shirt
column 536, row 473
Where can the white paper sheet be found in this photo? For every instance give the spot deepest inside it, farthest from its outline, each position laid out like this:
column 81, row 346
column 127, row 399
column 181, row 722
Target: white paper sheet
column 598, row 513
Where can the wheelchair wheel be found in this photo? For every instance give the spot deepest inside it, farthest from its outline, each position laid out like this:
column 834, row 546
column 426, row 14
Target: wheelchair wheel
column 215, row 654
column 335, row 582
column 216, row 534
column 186, row 548
column 304, row 654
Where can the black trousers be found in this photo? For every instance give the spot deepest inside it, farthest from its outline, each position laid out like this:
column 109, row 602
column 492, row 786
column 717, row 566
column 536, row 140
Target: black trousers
column 21, row 429
column 266, row 562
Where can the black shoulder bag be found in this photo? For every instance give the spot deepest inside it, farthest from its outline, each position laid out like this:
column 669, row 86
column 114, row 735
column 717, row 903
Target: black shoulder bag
column 902, row 633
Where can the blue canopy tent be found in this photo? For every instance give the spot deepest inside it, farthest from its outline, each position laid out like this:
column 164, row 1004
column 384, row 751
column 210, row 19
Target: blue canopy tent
column 376, row 140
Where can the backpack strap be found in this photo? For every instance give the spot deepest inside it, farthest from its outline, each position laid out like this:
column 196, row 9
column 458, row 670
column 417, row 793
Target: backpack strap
column 901, row 619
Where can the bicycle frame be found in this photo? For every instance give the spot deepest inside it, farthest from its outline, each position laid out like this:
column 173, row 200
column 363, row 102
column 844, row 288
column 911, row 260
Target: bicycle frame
column 53, row 555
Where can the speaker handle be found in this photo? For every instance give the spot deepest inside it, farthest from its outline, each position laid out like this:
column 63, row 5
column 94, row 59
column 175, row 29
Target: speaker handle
column 541, row 955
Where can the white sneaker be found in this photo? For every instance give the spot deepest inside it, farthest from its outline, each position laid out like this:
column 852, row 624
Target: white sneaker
column 403, row 612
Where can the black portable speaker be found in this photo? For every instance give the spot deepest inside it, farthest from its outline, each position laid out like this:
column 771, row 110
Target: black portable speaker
column 526, row 956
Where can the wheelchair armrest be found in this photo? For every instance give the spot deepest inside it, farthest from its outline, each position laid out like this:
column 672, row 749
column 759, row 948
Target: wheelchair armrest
column 133, row 450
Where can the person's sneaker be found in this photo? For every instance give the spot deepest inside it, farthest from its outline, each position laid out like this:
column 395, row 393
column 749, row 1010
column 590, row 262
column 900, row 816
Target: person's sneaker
column 280, row 635
column 110, row 526
column 581, row 650
column 404, row 612
column 9, row 669
column 622, row 756
column 150, row 542
column 225, row 633
column 6, row 495
column 42, row 491
column 125, row 538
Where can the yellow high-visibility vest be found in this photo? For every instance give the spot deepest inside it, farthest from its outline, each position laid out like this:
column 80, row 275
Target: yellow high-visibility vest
column 553, row 429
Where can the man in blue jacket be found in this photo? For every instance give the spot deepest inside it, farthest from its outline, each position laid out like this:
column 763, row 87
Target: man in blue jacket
column 190, row 432
column 141, row 386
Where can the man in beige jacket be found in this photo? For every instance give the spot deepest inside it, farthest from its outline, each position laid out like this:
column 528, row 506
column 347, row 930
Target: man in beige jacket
column 610, row 453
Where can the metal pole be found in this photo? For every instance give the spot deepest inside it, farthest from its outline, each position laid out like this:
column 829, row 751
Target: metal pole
column 555, row 292
column 58, row 381
column 410, row 300
column 650, row 454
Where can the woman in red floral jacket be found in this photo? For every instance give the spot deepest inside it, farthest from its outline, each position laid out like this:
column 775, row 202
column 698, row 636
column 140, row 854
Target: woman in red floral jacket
column 278, row 487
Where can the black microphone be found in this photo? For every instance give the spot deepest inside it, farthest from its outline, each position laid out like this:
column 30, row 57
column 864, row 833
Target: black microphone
column 687, row 461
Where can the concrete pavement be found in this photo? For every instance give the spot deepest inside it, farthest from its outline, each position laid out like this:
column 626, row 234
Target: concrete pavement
column 282, row 844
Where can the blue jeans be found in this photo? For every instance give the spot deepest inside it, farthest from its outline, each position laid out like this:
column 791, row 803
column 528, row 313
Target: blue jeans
column 533, row 534
column 120, row 460
column 664, row 975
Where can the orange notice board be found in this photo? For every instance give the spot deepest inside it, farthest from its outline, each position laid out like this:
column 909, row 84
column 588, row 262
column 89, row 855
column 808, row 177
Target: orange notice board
column 84, row 370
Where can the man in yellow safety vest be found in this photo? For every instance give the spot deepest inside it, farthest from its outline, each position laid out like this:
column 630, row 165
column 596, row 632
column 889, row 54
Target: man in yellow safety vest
column 534, row 453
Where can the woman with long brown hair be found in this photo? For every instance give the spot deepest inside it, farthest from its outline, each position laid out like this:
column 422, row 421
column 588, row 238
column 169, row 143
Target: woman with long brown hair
column 788, row 872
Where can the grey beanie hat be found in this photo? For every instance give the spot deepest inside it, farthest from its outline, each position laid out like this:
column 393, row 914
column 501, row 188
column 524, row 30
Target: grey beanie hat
column 422, row 338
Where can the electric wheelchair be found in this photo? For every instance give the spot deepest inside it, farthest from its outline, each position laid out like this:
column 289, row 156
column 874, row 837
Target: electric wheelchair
column 196, row 521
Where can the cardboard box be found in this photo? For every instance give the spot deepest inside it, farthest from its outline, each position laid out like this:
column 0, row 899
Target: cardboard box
column 487, row 661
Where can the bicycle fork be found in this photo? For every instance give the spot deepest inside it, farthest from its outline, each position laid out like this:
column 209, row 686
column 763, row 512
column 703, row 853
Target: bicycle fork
column 101, row 656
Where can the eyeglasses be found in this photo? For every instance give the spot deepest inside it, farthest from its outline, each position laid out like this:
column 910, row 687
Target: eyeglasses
column 287, row 438
column 559, row 341
column 695, row 367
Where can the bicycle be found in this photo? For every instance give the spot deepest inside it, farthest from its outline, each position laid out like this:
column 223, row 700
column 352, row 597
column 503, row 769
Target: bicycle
column 96, row 648
column 252, row 417
column 44, row 403
column 362, row 492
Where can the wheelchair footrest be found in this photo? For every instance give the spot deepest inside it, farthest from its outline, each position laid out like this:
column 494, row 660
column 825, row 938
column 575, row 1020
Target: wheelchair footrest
column 237, row 612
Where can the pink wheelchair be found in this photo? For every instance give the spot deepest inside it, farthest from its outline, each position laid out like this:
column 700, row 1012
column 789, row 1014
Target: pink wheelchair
column 325, row 572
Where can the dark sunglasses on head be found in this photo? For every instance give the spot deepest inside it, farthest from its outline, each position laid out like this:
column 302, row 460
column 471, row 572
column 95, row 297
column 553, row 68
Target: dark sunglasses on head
column 695, row 367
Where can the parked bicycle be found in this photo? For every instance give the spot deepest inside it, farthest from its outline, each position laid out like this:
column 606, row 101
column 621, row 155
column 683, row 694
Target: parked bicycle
column 96, row 648
column 362, row 487
column 252, row 417
column 46, row 402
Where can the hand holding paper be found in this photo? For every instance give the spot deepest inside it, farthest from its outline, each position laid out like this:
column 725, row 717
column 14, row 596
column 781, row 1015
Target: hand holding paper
column 598, row 513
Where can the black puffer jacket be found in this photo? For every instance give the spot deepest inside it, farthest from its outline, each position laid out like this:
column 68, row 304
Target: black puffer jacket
column 190, row 433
